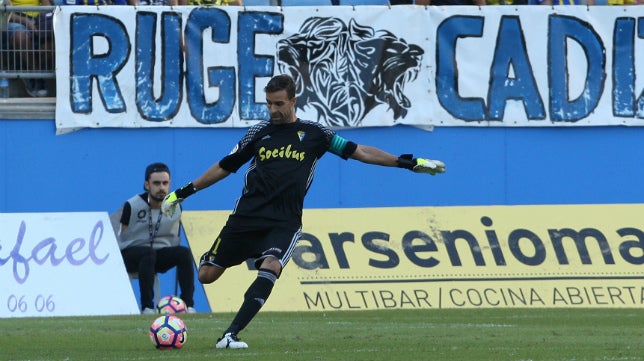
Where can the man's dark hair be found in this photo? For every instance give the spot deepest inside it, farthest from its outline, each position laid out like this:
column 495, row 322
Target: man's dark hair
column 155, row 167
column 281, row 82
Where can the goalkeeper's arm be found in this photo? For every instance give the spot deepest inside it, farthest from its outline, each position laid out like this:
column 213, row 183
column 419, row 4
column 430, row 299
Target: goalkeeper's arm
column 372, row 155
column 214, row 174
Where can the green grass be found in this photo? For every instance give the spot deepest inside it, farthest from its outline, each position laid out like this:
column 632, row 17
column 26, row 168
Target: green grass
column 418, row 335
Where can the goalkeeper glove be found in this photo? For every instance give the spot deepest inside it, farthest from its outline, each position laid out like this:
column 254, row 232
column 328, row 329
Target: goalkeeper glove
column 172, row 200
column 421, row 165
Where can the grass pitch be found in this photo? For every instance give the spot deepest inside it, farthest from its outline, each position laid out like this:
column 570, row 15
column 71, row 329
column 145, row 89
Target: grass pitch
column 459, row 335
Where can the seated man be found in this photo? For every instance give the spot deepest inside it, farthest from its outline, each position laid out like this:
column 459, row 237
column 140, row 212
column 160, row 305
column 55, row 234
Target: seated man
column 149, row 241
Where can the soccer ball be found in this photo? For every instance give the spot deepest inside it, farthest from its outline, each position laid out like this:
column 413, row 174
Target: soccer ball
column 168, row 332
column 171, row 304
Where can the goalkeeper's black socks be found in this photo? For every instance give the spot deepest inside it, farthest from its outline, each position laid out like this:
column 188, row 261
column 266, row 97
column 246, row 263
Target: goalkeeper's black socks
column 254, row 299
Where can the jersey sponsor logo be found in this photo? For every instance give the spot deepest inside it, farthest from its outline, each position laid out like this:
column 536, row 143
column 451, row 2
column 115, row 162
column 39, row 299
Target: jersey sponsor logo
column 301, row 135
column 281, row 152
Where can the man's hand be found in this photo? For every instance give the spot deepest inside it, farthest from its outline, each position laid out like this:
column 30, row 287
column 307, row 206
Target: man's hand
column 170, row 203
column 421, row 165
column 432, row 167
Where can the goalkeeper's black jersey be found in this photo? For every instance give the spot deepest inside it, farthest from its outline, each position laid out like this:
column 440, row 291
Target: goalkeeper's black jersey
column 284, row 158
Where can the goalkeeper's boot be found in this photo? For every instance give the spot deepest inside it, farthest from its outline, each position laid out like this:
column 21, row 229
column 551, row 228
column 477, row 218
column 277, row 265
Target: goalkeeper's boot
column 230, row 340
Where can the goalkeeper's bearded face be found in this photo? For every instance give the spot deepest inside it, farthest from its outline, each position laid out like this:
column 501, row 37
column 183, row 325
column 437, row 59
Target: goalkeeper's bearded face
column 280, row 107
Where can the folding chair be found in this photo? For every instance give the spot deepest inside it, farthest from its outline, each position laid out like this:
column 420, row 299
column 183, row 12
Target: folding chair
column 115, row 220
column 157, row 284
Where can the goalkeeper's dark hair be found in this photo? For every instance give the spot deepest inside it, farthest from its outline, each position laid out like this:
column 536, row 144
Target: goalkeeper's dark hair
column 281, row 82
column 156, row 167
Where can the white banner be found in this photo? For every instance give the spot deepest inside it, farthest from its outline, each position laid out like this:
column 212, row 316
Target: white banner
column 122, row 66
column 61, row 264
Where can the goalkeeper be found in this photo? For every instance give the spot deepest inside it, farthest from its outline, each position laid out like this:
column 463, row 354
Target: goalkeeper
column 266, row 222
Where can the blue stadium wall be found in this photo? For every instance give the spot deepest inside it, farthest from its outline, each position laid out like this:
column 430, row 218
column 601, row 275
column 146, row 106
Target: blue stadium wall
column 97, row 169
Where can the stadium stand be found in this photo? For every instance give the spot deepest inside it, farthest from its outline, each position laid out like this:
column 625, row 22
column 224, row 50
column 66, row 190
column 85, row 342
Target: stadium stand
column 364, row 2
column 22, row 61
column 260, row 2
column 306, row 2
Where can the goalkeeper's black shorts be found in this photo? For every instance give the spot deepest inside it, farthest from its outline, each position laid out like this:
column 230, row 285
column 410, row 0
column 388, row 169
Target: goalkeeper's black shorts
column 244, row 238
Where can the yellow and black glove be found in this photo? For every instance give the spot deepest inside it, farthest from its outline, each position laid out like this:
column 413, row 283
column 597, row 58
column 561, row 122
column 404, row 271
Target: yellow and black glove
column 172, row 200
column 421, row 165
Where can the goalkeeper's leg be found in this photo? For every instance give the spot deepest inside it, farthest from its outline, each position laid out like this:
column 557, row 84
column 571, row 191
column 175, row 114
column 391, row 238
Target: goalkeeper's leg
column 254, row 299
column 209, row 270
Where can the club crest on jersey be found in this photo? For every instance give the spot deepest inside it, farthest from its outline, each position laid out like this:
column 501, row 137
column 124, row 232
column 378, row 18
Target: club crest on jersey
column 301, row 134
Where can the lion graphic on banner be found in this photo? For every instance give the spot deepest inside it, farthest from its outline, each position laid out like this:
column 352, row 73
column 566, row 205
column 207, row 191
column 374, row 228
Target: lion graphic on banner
column 344, row 71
